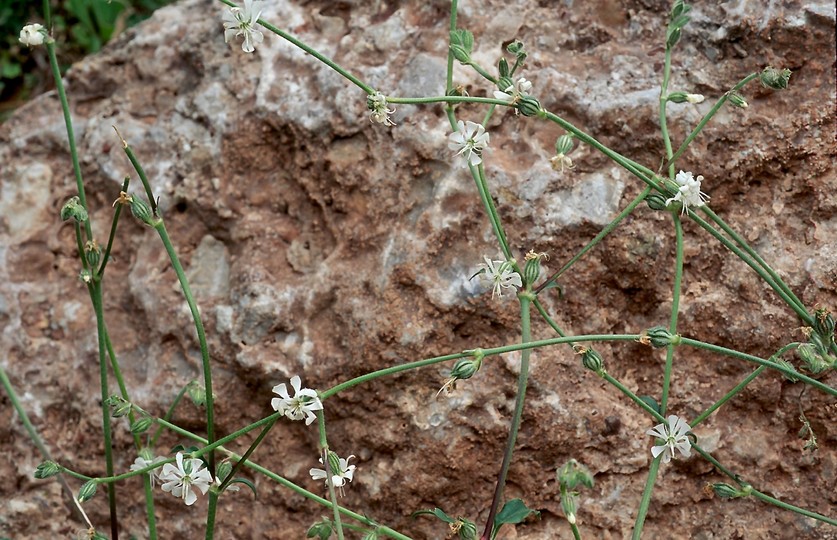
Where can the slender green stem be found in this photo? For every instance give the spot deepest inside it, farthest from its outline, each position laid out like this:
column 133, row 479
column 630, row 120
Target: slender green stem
column 255, row 444
column 787, row 506
column 803, row 314
column 116, row 213
column 169, row 413
column 675, row 310
column 120, row 381
column 196, row 316
column 80, row 245
column 482, row 71
column 548, row 319
column 452, row 28
column 210, row 513
column 706, row 119
column 140, row 172
column 599, row 237
column 96, row 295
column 313, row 52
column 522, row 381
column 738, row 239
column 729, row 395
column 478, row 173
column 71, row 138
column 760, row 361
column 633, row 397
column 149, row 508
column 332, row 493
column 487, row 352
column 642, row 512
column 708, row 457
column 663, row 103
column 47, row 15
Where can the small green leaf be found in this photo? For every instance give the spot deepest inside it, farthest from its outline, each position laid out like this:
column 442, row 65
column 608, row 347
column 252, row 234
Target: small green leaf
column 247, row 483
column 651, row 402
column 513, row 512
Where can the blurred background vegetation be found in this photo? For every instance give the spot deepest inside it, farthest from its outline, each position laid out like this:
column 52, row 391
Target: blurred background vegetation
column 80, row 27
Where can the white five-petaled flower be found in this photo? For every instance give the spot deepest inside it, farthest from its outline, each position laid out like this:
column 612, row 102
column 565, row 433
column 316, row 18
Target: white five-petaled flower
column 242, row 22
column 181, row 479
column 673, row 433
column 500, row 275
column 514, row 91
column 141, row 463
column 689, row 193
column 302, row 405
column 338, row 477
column 32, row 35
column 377, row 103
column 469, row 141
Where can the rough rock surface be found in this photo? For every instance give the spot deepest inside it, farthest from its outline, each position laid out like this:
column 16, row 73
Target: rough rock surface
column 322, row 245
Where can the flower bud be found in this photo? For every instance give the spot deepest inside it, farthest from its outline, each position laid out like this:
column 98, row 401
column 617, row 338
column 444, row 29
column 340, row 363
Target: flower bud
column 141, row 425
column 87, row 491
column 655, row 201
column 141, row 210
column 590, row 359
column 814, row 362
column 464, row 368
column 659, row 337
column 775, row 78
column 47, row 469
column 321, row 530
column 92, row 252
column 683, row 97
column 197, row 393
column 725, row 491
column 461, row 45
column 564, row 144
column 532, row 268
column 738, row 100
column 505, row 84
column 503, row 68
column 787, row 365
column 73, row 209
column 370, row 535
column 334, row 462
column 529, row 106
column 467, row 529
column 569, row 504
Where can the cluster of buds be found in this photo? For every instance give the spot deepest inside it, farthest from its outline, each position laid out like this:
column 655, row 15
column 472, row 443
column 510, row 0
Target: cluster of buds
column 571, row 475
column 816, row 353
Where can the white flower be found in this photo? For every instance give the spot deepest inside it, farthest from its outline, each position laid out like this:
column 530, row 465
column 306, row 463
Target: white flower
column 141, row 463
column 500, row 275
column 181, row 480
column 338, row 477
column 674, row 438
column 469, row 140
column 242, row 22
column 32, row 35
column 377, row 103
column 302, row 405
column 689, row 193
column 514, row 91
column 694, row 98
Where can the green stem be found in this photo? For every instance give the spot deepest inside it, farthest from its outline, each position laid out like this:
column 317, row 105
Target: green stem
column 599, row 237
column 169, row 413
column 729, row 395
column 642, row 512
column 738, row 239
column 210, row 513
column 96, row 295
column 149, row 508
column 71, row 139
column 321, row 57
column 760, row 361
column 449, row 71
column 487, row 352
column 332, row 493
column 160, row 227
column 705, row 119
column 547, row 318
column 120, row 381
column 247, row 454
column 633, row 397
column 765, row 275
column 479, row 69
column 522, row 381
column 675, row 310
column 116, row 213
column 478, row 173
column 140, row 172
column 781, row 504
column 663, row 103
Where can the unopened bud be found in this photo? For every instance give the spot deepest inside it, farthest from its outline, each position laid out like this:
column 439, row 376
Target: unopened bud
column 590, row 359
column 683, row 97
column 334, row 463
column 655, row 201
column 87, row 491
column 464, row 368
column 141, row 210
column 529, row 106
column 503, row 68
column 321, row 530
column 467, row 529
column 659, row 337
column 738, row 100
column 141, row 425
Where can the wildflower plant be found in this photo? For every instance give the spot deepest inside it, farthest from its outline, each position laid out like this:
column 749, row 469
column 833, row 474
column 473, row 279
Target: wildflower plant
column 193, row 473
